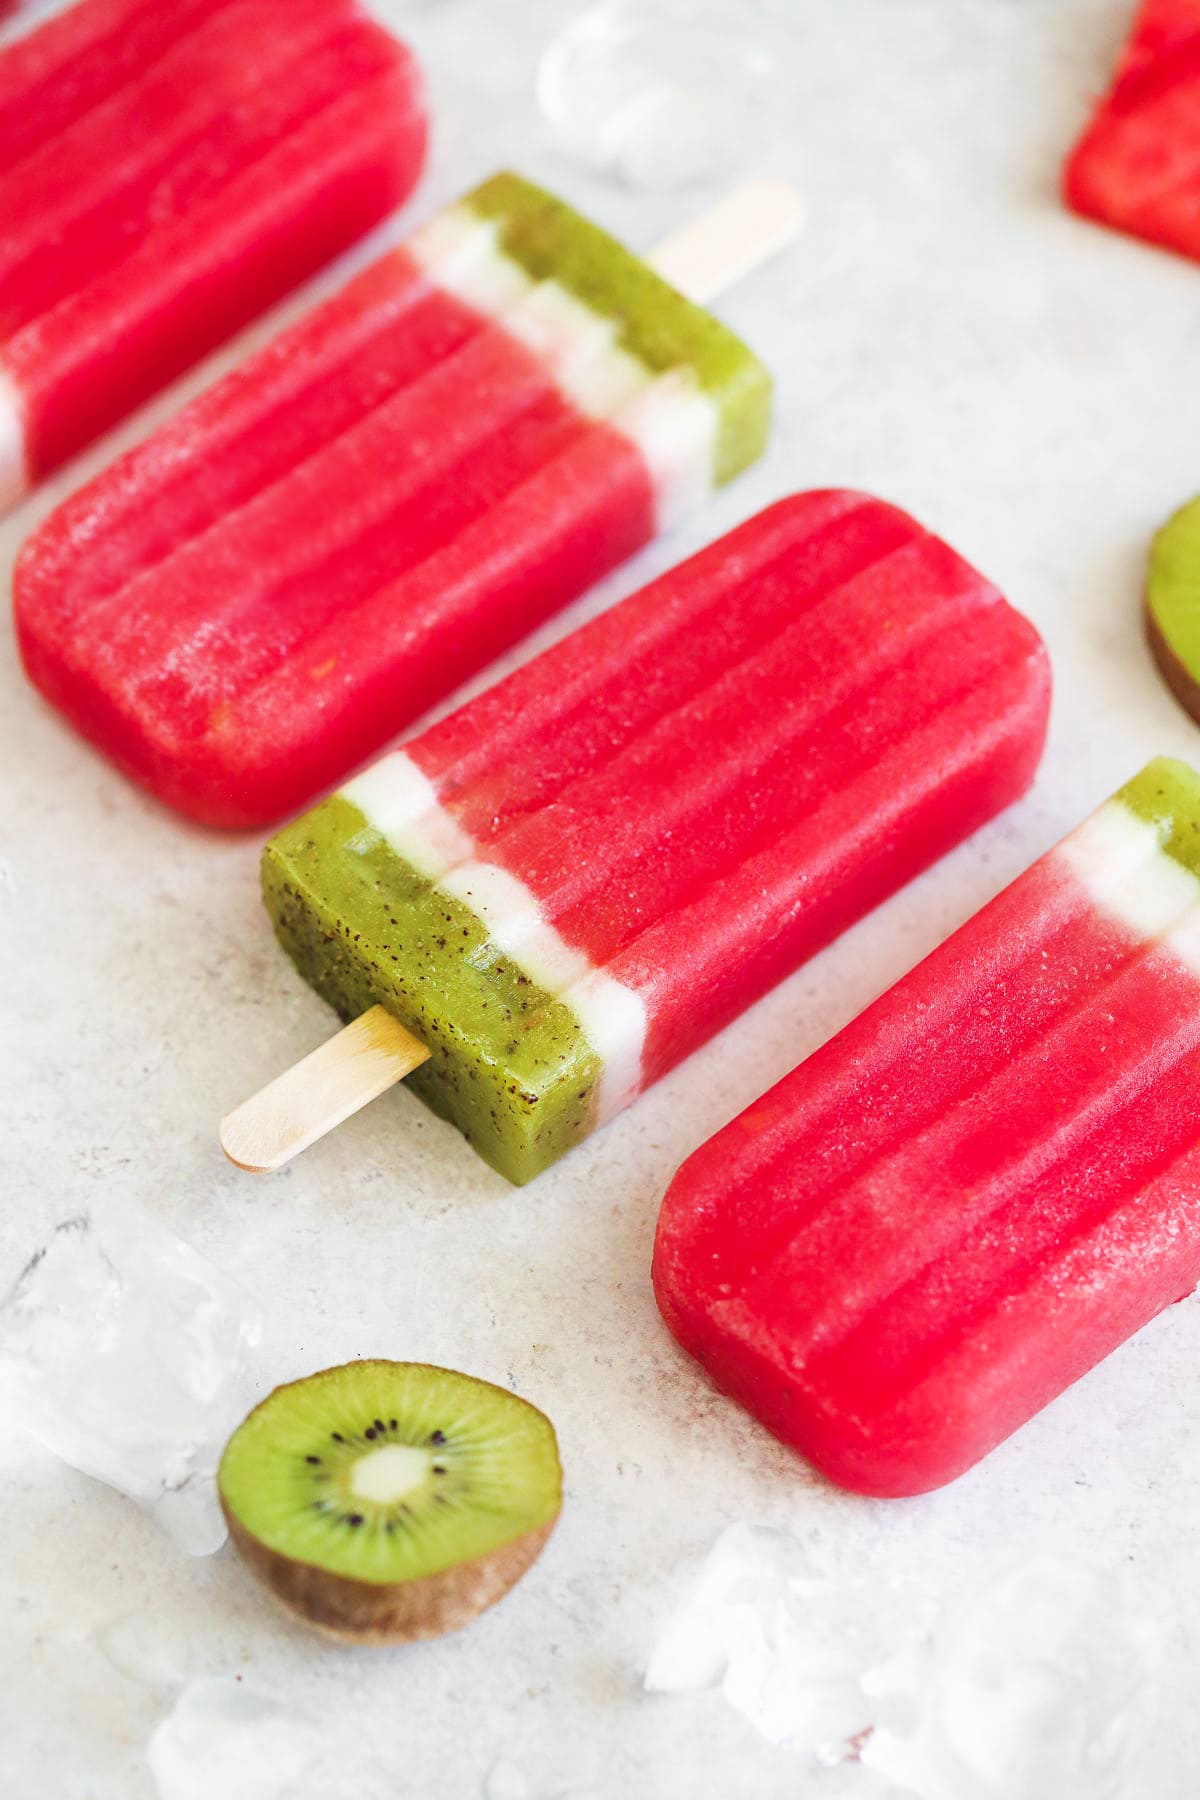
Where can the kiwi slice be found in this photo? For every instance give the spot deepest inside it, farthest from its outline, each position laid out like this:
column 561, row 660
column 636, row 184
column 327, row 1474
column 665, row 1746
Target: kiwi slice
column 1173, row 604
column 386, row 1501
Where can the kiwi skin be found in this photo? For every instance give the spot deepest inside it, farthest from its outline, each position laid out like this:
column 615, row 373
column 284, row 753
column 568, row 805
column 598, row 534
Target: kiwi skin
column 380, row 1613
column 364, row 1612
column 1171, row 602
column 1179, row 679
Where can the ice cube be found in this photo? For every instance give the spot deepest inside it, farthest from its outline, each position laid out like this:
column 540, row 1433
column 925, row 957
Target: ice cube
column 790, row 1649
column 1042, row 1681
column 223, row 1739
column 664, row 92
column 126, row 1353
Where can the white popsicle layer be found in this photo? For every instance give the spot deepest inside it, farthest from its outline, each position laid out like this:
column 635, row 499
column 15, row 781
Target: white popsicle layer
column 14, row 468
column 668, row 417
column 1119, row 859
column 399, row 802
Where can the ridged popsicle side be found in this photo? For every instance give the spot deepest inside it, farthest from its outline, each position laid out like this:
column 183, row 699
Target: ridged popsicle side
column 170, row 172
column 52, row 76
column 982, row 1186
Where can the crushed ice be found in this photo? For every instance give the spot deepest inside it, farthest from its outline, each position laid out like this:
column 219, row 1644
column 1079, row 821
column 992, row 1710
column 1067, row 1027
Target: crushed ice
column 1040, row 1680
column 660, row 93
column 125, row 1352
column 787, row 1648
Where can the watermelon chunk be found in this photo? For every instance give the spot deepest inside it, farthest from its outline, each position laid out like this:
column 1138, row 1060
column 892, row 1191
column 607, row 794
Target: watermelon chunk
column 1137, row 166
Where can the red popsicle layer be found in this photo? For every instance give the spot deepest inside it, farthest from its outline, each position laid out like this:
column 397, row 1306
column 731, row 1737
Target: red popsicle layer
column 981, row 1186
column 166, row 172
column 867, row 702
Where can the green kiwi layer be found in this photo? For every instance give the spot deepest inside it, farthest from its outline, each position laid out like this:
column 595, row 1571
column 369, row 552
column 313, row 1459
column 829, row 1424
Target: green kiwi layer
column 509, row 1064
column 484, row 1471
column 1167, row 794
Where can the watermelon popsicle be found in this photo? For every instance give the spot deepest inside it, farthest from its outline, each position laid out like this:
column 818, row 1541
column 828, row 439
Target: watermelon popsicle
column 167, row 171
column 482, row 424
column 981, row 1186
column 568, row 885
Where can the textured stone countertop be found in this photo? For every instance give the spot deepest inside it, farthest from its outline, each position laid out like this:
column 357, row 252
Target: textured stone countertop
column 944, row 335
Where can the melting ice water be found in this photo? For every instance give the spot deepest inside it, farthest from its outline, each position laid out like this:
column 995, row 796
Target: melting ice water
column 148, row 1648
column 124, row 1351
column 664, row 92
column 1039, row 1682
column 224, row 1741
column 505, row 1781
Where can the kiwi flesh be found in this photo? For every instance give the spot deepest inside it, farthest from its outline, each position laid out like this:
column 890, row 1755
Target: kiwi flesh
column 388, row 1501
column 1173, row 605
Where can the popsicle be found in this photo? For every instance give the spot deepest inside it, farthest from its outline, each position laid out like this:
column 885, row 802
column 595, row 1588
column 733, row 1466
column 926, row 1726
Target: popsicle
column 981, row 1186
column 569, row 884
column 474, row 430
column 1137, row 165
column 167, row 171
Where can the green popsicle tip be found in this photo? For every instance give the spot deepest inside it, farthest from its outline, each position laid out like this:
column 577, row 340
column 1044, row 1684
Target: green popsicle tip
column 654, row 322
column 508, row 1064
column 1166, row 793
column 1173, row 604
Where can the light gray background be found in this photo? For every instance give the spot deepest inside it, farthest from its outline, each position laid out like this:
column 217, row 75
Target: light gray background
column 944, row 335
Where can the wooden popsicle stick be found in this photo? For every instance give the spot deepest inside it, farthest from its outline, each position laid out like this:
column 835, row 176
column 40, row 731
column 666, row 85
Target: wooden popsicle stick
column 707, row 255
column 369, row 1056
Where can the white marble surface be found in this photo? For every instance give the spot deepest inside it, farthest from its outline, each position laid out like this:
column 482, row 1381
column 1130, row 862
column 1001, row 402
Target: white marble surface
column 946, row 336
